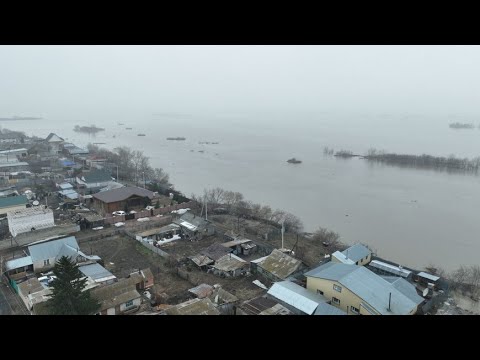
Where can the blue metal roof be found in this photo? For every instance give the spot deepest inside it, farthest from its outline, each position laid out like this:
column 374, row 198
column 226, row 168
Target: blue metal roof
column 356, row 252
column 13, row 200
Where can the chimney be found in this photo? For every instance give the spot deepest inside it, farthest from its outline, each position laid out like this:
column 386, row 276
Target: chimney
column 389, row 301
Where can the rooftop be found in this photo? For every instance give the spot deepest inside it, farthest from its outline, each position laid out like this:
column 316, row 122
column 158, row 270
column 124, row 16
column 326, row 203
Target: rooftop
column 428, row 276
column 258, row 305
column 28, row 212
column 56, row 249
column 97, row 272
column 201, row 291
column 280, row 264
column 97, row 176
column 52, row 138
column 236, row 242
column 18, row 263
column 215, row 251
column 356, row 252
column 230, row 262
column 192, row 221
column 396, row 270
column 122, row 194
column 117, row 293
column 194, row 307
column 296, row 296
column 370, row 287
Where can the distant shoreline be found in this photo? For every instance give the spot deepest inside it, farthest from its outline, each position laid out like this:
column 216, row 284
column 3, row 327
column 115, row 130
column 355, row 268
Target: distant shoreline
column 19, row 118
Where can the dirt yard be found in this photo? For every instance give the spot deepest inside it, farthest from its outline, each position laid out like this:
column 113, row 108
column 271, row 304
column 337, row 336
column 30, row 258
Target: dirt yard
column 123, row 255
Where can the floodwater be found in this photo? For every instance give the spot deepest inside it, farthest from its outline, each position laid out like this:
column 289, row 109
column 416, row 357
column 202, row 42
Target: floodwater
column 413, row 216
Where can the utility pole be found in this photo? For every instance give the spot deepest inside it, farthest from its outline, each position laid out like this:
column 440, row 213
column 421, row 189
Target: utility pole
column 117, row 173
column 144, row 183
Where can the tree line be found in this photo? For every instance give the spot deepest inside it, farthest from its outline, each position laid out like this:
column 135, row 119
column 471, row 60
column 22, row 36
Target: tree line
column 219, row 200
column 133, row 165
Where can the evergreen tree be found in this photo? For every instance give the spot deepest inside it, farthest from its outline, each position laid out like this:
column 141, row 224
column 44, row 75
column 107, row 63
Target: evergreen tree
column 67, row 296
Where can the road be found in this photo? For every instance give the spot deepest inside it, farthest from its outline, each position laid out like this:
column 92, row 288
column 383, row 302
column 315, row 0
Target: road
column 10, row 303
column 5, row 308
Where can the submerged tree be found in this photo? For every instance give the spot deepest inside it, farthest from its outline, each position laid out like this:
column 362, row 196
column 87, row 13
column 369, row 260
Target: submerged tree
column 68, row 295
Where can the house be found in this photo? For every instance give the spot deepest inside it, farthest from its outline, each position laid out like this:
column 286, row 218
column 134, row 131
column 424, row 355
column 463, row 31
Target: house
column 107, row 202
column 15, row 166
column 224, row 301
column 230, row 265
column 301, row 301
column 13, row 203
column 14, row 153
column 95, row 179
column 17, row 268
column 262, row 306
column 209, row 255
column 54, row 142
column 357, row 290
column 241, row 246
column 118, row 298
column 357, row 254
column 165, row 232
column 195, row 227
column 144, row 278
column 201, row 291
column 72, row 149
column 426, row 279
column 98, row 273
column 45, row 254
column 277, row 266
column 32, row 292
column 194, row 307
column 29, row 219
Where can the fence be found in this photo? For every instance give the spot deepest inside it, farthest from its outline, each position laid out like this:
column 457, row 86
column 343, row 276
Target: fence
column 146, row 213
column 152, row 248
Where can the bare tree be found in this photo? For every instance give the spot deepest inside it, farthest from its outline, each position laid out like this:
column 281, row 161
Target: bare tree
column 328, row 238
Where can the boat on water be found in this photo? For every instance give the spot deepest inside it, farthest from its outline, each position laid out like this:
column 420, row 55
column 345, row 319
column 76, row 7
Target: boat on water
column 176, row 138
column 121, row 124
column 128, row 128
column 294, row 161
column 141, row 135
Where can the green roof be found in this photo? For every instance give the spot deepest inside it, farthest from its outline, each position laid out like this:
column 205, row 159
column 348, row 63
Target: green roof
column 13, row 200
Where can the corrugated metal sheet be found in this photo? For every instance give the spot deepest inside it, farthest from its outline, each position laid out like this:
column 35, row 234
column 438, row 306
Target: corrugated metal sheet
column 18, row 263
column 229, row 262
column 356, row 252
column 280, row 264
column 327, row 309
column 428, row 276
column 389, row 268
column 194, row 307
column 96, row 272
column 201, row 291
column 50, row 249
column 296, row 296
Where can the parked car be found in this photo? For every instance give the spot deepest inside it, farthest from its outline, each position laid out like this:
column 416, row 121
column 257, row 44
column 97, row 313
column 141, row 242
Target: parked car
column 119, row 224
column 119, row 213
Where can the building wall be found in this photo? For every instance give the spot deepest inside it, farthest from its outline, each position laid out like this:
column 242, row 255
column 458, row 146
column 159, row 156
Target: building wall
column 136, row 302
column 12, row 208
column 346, row 297
column 38, row 266
column 365, row 261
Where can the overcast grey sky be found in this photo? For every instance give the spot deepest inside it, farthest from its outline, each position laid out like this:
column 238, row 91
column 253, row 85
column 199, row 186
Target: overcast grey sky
column 43, row 80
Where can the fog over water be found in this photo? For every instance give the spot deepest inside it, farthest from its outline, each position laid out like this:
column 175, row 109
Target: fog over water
column 266, row 104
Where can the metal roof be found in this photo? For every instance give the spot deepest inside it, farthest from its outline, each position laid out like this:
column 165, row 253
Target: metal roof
column 202, row 290
column 53, row 138
column 65, row 186
column 229, row 262
column 296, row 296
column 14, row 164
column 97, row 272
column 215, row 251
column 122, row 194
column 342, row 258
column 194, row 220
column 408, row 290
column 367, row 285
column 51, row 249
column 236, row 242
column 280, row 264
column 201, row 260
column 97, row 176
column 390, row 268
column 428, row 276
column 117, row 293
column 258, row 305
column 13, row 200
column 356, row 252
column 327, row 309
column 18, row 263
column 194, row 307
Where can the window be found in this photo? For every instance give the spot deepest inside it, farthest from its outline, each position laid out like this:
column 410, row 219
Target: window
column 354, row 310
column 337, row 288
column 320, row 292
column 129, row 303
column 335, row 301
column 46, row 262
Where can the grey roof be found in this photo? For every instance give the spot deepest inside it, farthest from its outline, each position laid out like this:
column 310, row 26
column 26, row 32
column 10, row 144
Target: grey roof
column 51, row 249
column 194, row 307
column 122, row 194
column 327, row 309
column 367, row 285
column 356, row 252
column 53, row 138
column 215, row 251
column 260, row 305
column 18, row 263
column 296, row 296
column 193, row 219
column 65, row 186
column 202, row 290
column 280, row 264
column 398, row 271
column 96, row 272
column 230, row 262
column 97, row 176
column 408, row 290
column 13, row 200
column 14, row 164
column 116, row 294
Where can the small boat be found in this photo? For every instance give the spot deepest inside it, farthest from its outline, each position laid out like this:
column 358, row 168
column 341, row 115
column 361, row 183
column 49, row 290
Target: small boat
column 128, row 128
column 121, row 124
column 176, row 138
column 294, row 161
column 141, row 135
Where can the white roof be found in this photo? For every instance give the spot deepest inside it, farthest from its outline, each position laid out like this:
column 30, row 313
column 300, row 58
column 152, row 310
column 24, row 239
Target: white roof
column 18, row 263
column 428, row 276
column 296, row 296
column 188, row 225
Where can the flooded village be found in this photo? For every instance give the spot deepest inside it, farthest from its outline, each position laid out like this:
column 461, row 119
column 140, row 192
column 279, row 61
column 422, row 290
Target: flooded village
column 144, row 248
